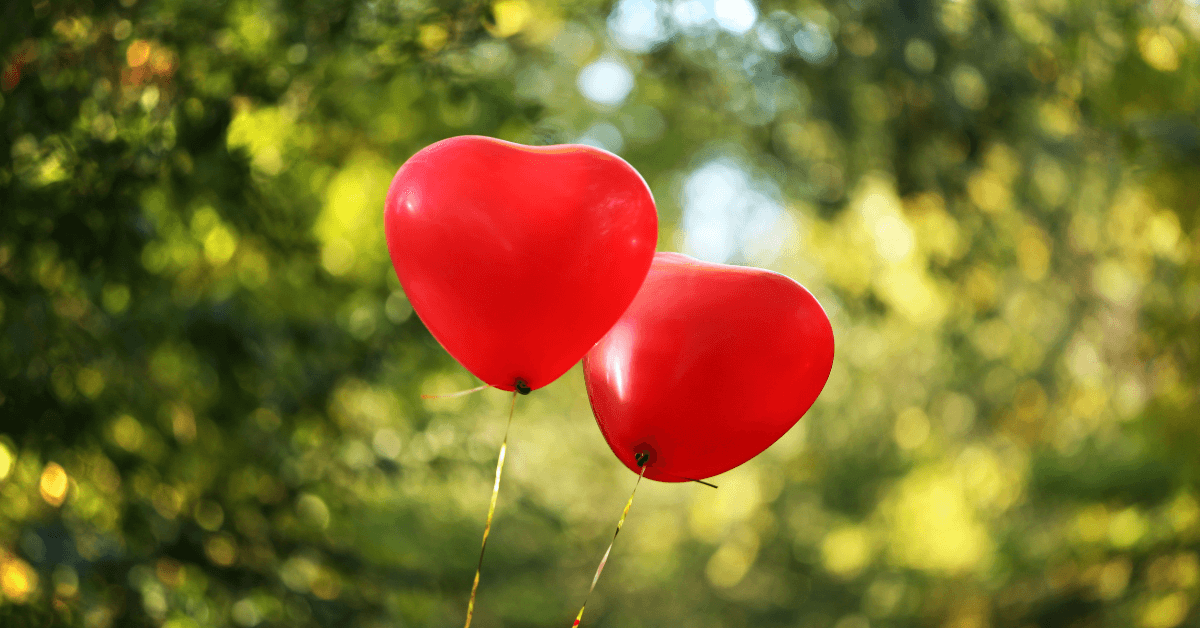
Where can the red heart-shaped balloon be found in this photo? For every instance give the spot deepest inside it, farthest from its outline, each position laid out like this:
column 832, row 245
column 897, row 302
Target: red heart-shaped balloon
column 708, row 367
column 519, row 258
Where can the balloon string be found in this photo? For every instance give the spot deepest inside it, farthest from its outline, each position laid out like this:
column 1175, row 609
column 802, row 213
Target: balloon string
column 603, row 561
column 684, row 477
column 487, row 528
column 460, row 393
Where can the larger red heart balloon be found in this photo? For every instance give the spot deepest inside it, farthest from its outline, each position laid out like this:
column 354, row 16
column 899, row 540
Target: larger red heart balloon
column 519, row 258
column 708, row 367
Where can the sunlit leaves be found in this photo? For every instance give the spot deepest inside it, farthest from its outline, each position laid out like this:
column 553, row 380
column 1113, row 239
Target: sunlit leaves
column 211, row 378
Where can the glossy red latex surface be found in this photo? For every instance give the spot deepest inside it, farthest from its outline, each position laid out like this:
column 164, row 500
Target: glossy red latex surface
column 519, row 258
column 708, row 367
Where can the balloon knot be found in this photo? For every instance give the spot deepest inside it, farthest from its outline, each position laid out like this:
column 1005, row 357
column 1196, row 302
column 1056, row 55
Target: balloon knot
column 642, row 457
column 522, row 387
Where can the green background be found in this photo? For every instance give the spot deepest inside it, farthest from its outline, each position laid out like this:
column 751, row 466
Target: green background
column 210, row 382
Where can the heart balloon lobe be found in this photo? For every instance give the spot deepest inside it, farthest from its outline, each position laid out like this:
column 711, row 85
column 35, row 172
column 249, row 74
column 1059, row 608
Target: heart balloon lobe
column 518, row 258
column 709, row 366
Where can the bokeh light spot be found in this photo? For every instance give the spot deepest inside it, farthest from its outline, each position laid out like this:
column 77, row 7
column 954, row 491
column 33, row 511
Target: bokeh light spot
column 138, row 53
column 637, row 25
column 18, row 581
column 53, row 484
column 511, row 16
column 606, row 82
column 845, row 551
column 221, row 550
column 7, row 460
column 735, row 16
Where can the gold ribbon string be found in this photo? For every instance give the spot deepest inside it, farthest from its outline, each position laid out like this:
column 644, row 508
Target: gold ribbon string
column 455, row 394
column 491, row 509
column 684, row 477
column 604, row 560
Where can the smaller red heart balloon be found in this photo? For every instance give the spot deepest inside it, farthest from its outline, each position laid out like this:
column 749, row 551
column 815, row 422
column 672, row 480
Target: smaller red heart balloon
column 519, row 258
column 709, row 366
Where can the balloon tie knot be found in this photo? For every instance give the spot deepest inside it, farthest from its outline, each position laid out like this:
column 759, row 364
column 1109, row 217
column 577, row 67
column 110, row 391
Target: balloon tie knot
column 522, row 387
column 642, row 457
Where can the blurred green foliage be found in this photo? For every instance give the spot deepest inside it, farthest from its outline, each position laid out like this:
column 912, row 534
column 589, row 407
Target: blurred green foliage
column 210, row 380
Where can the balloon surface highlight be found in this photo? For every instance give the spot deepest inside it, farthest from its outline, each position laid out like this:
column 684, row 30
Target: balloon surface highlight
column 709, row 366
column 519, row 258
